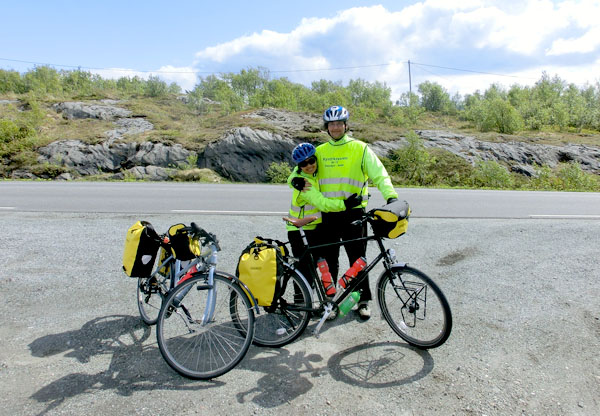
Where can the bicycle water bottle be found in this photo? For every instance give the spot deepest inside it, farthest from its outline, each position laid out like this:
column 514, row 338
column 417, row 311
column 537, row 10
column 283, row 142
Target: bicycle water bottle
column 349, row 303
column 326, row 277
column 358, row 265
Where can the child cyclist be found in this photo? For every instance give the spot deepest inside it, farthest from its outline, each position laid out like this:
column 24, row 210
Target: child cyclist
column 310, row 202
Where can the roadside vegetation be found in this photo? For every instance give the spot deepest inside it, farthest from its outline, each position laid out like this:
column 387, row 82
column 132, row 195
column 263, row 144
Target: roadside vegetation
column 549, row 112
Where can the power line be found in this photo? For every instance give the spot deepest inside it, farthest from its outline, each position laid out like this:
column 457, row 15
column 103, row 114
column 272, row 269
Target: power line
column 472, row 71
column 104, row 69
column 274, row 71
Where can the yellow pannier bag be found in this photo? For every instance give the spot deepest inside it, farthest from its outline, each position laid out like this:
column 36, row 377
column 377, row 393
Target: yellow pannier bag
column 391, row 220
column 183, row 246
column 259, row 266
column 141, row 248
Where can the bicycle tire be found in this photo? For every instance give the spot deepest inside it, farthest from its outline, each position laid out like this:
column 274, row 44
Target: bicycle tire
column 414, row 307
column 150, row 295
column 151, row 292
column 278, row 325
column 200, row 351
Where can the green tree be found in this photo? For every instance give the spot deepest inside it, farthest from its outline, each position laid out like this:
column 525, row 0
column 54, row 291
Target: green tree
column 434, row 97
column 248, row 82
column 10, row 81
column 368, row 94
column 43, row 80
column 155, row 87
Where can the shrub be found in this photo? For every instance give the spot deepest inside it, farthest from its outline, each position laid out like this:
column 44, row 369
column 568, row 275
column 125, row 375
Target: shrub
column 411, row 164
column 15, row 138
column 491, row 174
column 572, row 178
column 279, row 172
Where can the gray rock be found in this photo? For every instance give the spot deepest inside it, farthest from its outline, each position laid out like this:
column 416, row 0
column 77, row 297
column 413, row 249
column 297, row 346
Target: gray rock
column 77, row 110
column 521, row 157
column 87, row 159
column 244, row 155
column 22, row 174
column 152, row 173
column 91, row 159
column 158, row 154
column 287, row 121
column 129, row 126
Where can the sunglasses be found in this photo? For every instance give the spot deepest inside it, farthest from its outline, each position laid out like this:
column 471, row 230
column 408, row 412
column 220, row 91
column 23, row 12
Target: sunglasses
column 309, row 161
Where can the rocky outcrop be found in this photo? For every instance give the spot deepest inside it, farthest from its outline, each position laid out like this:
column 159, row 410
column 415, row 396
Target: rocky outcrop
column 520, row 157
column 244, row 154
column 105, row 111
column 87, row 159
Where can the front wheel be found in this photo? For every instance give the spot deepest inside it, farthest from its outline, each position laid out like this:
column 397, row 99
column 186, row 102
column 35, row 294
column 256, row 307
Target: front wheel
column 414, row 306
column 197, row 335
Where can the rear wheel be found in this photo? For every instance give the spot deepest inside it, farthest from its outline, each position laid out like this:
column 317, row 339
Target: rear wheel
column 150, row 295
column 415, row 307
column 151, row 291
column 285, row 321
column 196, row 343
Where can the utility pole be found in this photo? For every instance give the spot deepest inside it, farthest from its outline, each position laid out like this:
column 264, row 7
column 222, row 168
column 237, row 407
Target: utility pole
column 409, row 79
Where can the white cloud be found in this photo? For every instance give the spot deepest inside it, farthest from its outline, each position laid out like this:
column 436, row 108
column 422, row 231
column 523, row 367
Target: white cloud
column 516, row 39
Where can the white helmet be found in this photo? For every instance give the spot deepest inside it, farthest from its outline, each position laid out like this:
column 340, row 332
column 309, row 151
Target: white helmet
column 336, row 113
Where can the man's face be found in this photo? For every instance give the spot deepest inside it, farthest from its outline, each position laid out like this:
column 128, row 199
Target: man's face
column 336, row 129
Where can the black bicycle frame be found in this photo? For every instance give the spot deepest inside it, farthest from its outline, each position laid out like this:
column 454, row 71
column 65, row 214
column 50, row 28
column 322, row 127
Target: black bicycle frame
column 353, row 284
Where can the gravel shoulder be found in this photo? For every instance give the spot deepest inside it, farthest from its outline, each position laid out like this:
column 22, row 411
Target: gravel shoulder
column 524, row 296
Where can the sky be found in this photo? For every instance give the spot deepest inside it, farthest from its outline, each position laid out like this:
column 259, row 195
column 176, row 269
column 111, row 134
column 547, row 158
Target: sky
column 464, row 45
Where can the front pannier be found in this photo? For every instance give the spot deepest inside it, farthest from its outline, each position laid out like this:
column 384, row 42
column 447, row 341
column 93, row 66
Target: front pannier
column 183, row 246
column 141, row 248
column 391, row 220
column 259, row 267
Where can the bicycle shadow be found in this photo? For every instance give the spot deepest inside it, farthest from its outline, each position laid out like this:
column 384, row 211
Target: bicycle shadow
column 380, row 364
column 283, row 380
column 134, row 365
column 369, row 365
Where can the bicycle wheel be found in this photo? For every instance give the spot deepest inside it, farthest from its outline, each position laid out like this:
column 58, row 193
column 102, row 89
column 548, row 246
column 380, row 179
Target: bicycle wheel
column 150, row 295
column 151, row 291
column 414, row 306
column 280, row 323
column 204, row 350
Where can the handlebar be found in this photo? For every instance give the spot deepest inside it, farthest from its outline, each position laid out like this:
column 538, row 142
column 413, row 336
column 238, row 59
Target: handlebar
column 199, row 232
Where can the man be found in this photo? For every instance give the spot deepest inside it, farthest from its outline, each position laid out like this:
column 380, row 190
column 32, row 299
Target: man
column 345, row 167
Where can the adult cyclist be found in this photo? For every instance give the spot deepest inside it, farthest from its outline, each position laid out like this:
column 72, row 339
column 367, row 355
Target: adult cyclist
column 346, row 165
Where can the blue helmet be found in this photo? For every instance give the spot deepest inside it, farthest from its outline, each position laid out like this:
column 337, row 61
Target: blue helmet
column 302, row 152
column 336, row 113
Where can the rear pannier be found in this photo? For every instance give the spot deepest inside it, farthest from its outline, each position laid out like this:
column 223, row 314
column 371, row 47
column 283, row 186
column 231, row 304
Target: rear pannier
column 141, row 248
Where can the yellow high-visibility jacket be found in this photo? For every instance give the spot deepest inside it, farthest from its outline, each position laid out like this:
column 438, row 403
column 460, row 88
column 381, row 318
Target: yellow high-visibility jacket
column 345, row 167
column 311, row 202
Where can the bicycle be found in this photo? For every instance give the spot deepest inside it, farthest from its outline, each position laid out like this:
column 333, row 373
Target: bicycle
column 197, row 336
column 411, row 302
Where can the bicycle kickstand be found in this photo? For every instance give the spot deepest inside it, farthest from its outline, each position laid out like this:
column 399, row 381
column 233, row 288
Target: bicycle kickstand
column 328, row 310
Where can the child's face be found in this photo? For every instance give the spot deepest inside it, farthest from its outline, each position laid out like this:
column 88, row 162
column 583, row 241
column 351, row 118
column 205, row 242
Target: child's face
column 309, row 166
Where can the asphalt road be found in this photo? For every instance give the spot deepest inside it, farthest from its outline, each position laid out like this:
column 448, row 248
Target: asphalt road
column 523, row 290
column 177, row 198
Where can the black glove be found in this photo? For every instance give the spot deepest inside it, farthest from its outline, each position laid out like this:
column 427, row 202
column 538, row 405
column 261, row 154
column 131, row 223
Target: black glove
column 353, row 201
column 298, row 183
column 390, row 200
